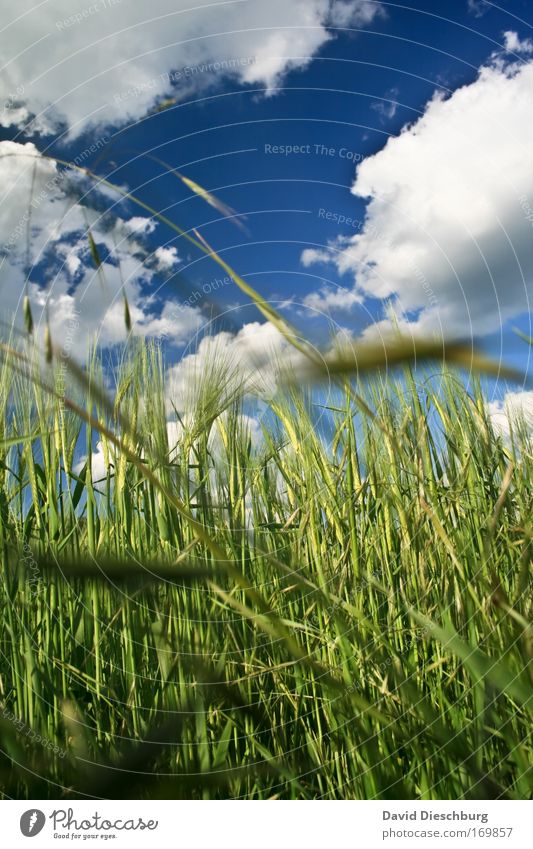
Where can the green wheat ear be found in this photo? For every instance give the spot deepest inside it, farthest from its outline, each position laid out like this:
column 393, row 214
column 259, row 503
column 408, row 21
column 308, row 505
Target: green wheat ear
column 95, row 253
column 48, row 348
column 28, row 317
column 368, row 625
column 127, row 314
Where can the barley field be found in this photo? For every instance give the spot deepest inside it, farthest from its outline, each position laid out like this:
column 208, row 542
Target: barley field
column 335, row 606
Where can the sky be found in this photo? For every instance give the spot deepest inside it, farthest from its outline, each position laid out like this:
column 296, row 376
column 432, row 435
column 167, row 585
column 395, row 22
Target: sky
column 378, row 158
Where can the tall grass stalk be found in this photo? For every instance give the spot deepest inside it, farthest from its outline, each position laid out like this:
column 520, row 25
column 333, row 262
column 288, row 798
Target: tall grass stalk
column 340, row 609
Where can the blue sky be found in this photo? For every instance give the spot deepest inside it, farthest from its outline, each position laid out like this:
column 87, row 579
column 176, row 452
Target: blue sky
column 296, row 115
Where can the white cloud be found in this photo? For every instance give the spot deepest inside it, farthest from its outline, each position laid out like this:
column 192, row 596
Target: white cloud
column 29, row 187
column 95, row 308
column 310, row 256
column 345, row 13
column 516, row 45
column 166, row 258
column 139, row 226
column 516, row 409
column 109, row 61
column 387, row 107
column 79, row 64
column 449, row 221
column 43, row 237
column 101, row 461
column 478, row 7
column 250, row 361
column 329, row 299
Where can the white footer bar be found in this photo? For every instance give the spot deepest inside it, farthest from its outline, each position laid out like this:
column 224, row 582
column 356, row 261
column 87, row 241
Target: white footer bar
column 263, row 825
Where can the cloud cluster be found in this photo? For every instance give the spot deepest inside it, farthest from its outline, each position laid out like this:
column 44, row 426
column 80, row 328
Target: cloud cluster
column 98, row 62
column 514, row 410
column 448, row 228
column 514, row 44
column 45, row 218
column 73, row 65
column 229, row 364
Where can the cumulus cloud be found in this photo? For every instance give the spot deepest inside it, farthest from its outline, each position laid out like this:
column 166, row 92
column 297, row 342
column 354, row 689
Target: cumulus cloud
column 329, row 299
column 45, row 216
column 105, row 62
column 30, row 187
column 516, row 45
column 139, row 226
column 310, row 256
column 344, row 13
column 515, row 409
column 73, row 65
column 166, row 258
column 230, row 364
column 449, row 218
column 101, row 462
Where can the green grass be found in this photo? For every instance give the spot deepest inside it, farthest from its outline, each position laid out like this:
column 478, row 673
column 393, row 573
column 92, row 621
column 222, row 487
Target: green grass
column 342, row 610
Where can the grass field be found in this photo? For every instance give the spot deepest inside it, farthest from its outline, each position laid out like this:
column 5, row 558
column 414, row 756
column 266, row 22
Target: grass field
column 339, row 607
